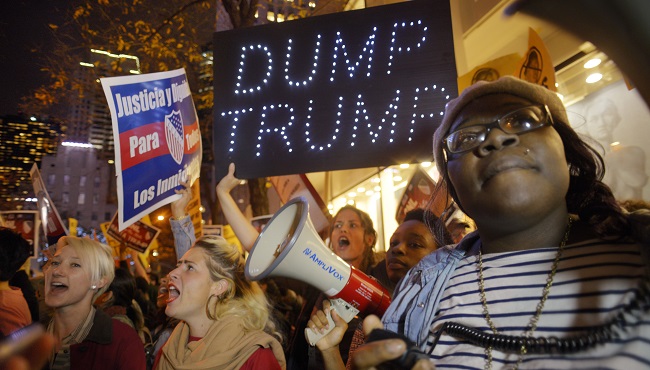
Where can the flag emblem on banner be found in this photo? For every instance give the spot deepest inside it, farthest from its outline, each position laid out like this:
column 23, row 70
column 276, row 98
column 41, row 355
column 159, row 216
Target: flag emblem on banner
column 174, row 135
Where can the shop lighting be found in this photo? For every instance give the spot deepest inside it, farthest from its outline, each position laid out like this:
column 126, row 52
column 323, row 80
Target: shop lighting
column 397, row 178
column 425, row 164
column 361, row 190
column 377, row 188
column 404, row 166
column 352, row 194
column 593, row 78
column 161, row 218
column 591, row 63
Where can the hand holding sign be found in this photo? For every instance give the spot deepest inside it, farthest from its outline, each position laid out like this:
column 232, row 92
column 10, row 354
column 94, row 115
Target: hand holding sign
column 179, row 206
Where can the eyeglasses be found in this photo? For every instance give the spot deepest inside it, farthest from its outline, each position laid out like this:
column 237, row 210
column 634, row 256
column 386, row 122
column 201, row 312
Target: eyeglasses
column 517, row 122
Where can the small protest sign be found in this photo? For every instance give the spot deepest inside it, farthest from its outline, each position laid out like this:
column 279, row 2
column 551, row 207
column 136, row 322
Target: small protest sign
column 417, row 194
column 25, row 223
column 137, row 236
column 292, row 186
column 52, row 224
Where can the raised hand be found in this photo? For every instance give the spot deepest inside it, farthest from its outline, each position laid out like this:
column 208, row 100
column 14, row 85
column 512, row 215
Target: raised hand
column 179, row 206
column 229, row 181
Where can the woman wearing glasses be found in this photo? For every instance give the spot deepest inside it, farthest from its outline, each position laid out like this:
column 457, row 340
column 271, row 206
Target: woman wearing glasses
column 554, row 276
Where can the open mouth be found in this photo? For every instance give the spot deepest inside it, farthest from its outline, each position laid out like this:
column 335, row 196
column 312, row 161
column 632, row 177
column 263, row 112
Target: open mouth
column 58, row 287
column 343, row 242
column 173, row 293
column 162, row 291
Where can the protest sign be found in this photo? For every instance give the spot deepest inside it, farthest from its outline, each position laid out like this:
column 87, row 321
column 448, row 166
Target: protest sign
column 113, row 243
column 537, row 66
column 72, row 225
column 490, row 71
column 157, row 140
column 417, row 194
column 216, row 230
column 194, row 209
column 25, row 223
column 362, row 88
column 137, row 236
column 292, row 186
column 52, row 224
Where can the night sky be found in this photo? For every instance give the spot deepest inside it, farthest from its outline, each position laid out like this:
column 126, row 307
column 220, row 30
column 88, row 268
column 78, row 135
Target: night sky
column 23, row 26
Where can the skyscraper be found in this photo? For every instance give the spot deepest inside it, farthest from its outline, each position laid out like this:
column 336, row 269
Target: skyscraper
column 23, row 142
column 81, row 184
column 89, row 119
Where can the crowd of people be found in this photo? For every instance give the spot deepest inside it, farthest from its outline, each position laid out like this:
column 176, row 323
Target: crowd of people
column 556, row 274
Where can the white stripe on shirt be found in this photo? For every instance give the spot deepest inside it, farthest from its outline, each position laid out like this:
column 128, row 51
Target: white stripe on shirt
column 594, row 280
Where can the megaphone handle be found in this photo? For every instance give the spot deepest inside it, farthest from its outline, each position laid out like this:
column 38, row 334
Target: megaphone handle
column 345, row 311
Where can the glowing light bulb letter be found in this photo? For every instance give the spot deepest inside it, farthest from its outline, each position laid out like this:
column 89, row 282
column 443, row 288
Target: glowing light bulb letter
column 364, row 57
column 401, row 49
column 312, row 75
column 251, row 88
column 236, row 116
column 283, row 131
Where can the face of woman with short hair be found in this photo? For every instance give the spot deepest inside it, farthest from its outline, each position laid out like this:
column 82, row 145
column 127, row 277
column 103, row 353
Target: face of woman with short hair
column 68, row 279
column 514, row 177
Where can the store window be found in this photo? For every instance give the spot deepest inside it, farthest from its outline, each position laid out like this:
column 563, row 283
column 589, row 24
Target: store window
column 379, row 195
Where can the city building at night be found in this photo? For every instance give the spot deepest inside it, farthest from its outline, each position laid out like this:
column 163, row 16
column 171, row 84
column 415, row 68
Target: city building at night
column 23, row 142
column 89, row 119
column 81, row 185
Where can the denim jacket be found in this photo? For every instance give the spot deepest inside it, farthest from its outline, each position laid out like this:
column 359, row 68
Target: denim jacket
column 416, row 298
column 184, row 237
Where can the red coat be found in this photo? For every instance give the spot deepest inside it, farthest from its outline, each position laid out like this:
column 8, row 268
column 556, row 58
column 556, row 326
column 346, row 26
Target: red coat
column 110, row 345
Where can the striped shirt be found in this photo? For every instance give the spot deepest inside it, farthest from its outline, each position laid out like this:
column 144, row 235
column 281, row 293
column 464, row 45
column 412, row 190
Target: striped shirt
column 594, row 280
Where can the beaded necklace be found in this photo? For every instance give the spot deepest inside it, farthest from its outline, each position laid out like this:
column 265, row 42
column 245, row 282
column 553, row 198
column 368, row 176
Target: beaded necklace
column 532, row 324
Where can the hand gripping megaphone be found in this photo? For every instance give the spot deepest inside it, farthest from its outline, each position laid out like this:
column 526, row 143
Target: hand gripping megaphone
column 289, row 246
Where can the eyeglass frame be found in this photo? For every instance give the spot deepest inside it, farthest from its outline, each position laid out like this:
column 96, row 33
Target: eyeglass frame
column 547, row 121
